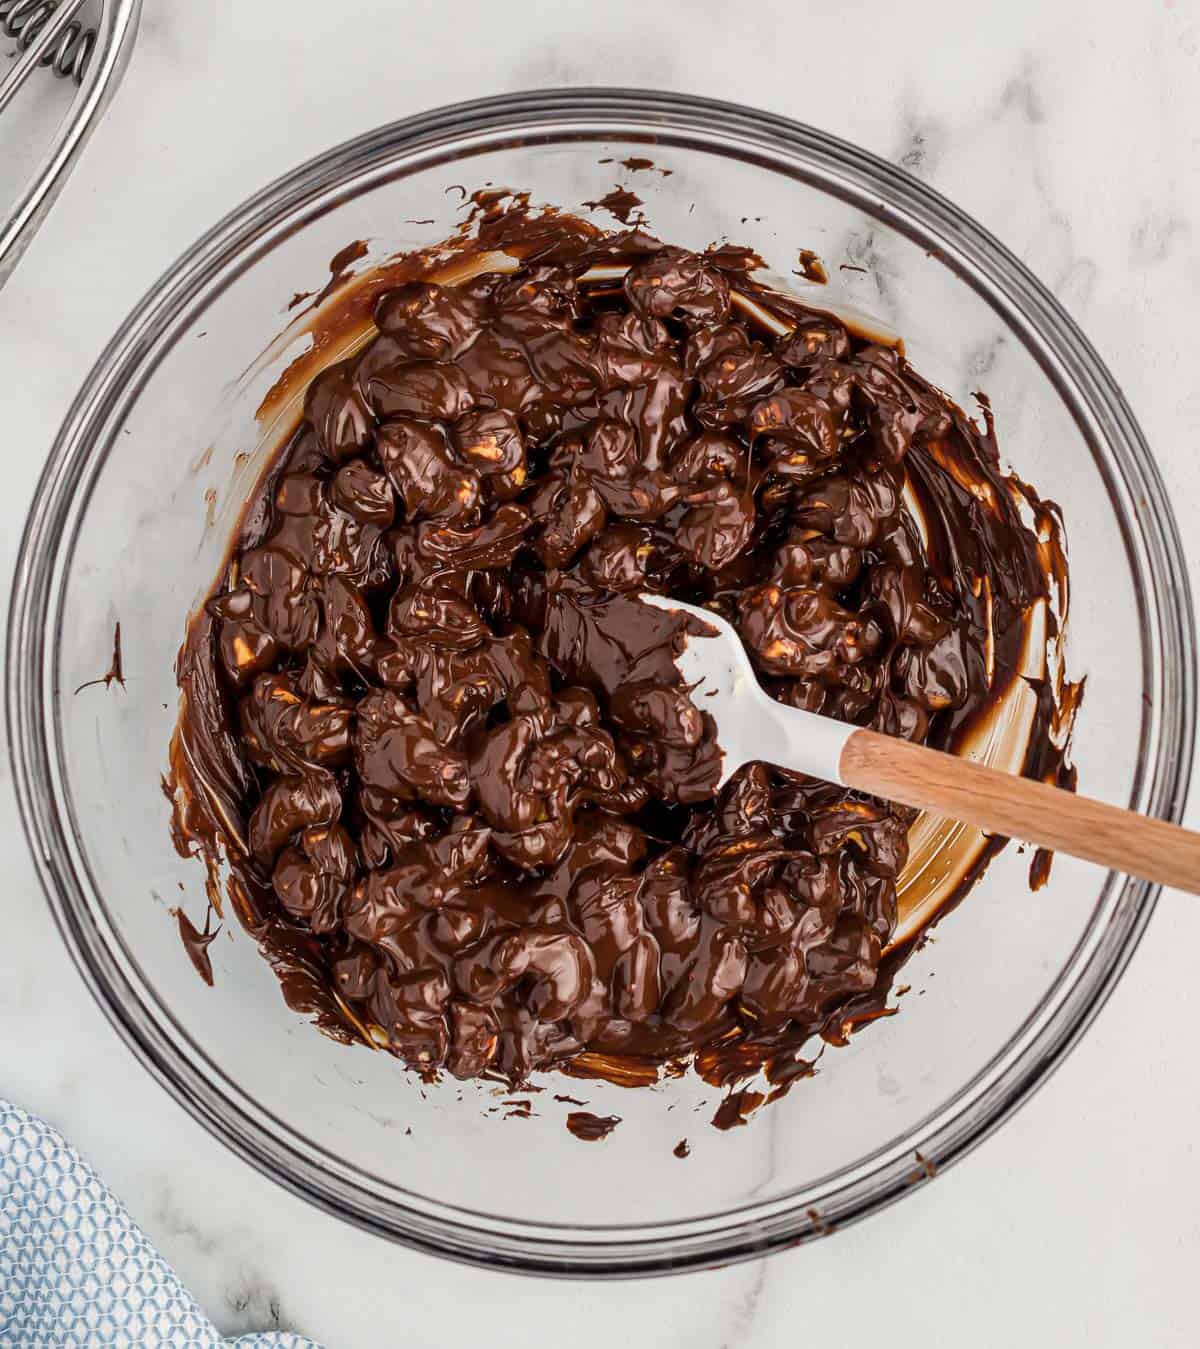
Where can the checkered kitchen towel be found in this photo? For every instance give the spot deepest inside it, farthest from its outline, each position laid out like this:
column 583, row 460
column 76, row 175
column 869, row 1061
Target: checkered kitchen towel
column 75, row 1271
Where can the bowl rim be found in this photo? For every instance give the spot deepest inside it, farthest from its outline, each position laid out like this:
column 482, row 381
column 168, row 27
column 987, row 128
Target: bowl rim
column 869, row 183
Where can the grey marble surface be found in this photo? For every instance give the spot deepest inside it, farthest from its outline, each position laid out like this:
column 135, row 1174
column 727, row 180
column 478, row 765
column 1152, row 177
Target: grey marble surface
column 1072, row 130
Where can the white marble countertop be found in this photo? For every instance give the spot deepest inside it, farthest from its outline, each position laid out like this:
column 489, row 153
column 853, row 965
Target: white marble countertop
column 1072, row 130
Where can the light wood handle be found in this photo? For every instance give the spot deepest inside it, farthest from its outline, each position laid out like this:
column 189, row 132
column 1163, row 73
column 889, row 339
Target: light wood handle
column 1002, row 803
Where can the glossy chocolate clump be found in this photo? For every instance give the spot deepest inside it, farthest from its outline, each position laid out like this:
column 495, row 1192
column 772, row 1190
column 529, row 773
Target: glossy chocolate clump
column 469, row 807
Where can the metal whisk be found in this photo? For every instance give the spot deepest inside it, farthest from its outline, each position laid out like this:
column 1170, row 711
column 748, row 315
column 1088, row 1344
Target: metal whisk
column 68, row 56
column 48, row 33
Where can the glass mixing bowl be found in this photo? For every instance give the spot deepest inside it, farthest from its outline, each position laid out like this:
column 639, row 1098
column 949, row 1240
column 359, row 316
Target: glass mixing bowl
column 129, row 523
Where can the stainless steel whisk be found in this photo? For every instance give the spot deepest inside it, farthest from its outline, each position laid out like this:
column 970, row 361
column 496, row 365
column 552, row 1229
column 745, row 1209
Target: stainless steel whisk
column 68, row 55
column 49, row 33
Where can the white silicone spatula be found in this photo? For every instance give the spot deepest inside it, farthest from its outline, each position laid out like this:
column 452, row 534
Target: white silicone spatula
column 753, row 727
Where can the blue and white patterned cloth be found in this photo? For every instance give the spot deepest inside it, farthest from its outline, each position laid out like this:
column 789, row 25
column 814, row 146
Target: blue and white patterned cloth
column 75, row 1271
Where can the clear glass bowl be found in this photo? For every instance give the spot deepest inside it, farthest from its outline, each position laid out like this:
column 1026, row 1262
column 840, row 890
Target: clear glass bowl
column 128, row 524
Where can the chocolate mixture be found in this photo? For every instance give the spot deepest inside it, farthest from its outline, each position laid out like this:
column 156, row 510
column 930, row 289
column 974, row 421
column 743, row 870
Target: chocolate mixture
column 468, row 807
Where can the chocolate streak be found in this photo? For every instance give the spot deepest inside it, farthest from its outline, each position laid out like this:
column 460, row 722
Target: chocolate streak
column 467, row 806
column 591, row 1128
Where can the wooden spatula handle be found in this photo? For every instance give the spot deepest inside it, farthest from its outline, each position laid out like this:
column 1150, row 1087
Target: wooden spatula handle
column 1002, row 803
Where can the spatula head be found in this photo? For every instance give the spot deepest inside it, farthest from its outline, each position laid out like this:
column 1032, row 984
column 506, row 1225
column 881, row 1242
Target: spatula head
column 751, row 726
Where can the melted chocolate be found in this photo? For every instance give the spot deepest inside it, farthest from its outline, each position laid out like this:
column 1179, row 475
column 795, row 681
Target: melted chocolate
column 115, row 672
column 196, row 943
column 468, row 806
column 736, row 1109
column 619, row 202
column 591, row 1128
